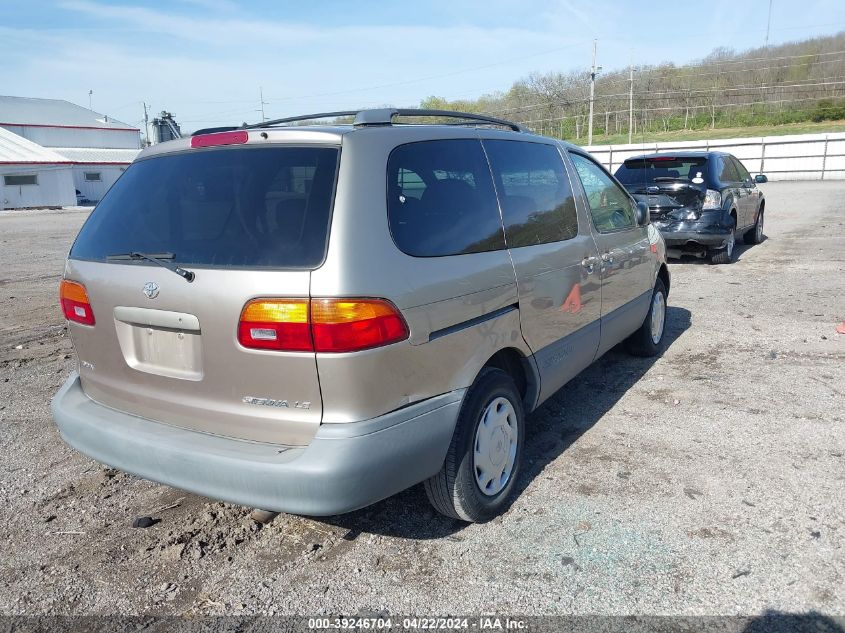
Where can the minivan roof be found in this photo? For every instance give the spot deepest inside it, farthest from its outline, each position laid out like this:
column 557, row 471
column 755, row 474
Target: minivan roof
column 288, row 129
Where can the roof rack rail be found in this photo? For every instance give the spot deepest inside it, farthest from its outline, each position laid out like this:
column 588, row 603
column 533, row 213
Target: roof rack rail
column 212, row 130
column 385, row 116
column 302, row 117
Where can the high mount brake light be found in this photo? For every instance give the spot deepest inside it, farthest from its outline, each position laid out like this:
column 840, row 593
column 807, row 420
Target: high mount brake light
column 220, row 138
column 75, row 304
column 320, row 325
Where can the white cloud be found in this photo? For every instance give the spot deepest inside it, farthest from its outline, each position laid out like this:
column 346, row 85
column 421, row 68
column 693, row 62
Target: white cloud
column 207, row 67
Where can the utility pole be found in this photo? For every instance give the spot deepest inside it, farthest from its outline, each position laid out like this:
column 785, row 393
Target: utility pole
column 263, row 103
column 146, row 125
column 593, row 70
column 768, row 24
column 631, row 102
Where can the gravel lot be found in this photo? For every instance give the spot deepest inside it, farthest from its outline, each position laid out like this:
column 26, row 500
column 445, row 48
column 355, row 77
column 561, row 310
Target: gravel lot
column 709, row 481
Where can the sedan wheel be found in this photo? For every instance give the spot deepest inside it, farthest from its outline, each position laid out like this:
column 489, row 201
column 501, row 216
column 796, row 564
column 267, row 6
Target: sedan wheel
column 725, row 255
column 754, row 235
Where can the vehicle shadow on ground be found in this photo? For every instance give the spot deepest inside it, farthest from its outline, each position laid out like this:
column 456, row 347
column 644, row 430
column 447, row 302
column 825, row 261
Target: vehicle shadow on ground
column 551, row 429
column 781, row 622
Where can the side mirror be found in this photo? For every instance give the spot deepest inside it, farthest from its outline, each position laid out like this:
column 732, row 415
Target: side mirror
column 760, row 178
column 643, row 214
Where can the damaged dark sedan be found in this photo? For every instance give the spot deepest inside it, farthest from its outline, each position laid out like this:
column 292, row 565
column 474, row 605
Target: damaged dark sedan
column 701, row 202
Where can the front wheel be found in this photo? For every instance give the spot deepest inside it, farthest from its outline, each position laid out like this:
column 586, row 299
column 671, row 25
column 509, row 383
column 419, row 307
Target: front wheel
column 755, row 235
column 648, row 340
column 483, row 461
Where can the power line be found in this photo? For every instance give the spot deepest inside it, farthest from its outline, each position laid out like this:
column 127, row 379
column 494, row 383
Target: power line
column 695, row 107
column 651, row 93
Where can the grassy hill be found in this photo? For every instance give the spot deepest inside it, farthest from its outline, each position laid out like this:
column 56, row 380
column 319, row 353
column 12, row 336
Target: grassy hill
column 725, row 132
column 781, row 89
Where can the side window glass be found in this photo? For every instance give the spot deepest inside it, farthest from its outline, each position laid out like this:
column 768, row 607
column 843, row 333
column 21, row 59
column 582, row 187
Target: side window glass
column 610, row 205
column 727, row 173
column 741, row 171
column 534, row 192
column 440, row 199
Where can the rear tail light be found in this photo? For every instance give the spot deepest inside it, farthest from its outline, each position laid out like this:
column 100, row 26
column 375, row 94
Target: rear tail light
column 341, row 325
column 684, row 214
column 75, row 303
column 321, row 325
column 276, row 324
column 712, row 200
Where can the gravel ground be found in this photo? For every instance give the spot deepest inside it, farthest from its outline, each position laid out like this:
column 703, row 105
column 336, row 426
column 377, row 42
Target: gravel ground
column 709, row 481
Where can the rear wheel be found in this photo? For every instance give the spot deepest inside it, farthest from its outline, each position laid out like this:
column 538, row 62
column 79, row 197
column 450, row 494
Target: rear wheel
column 725, row 255
column 648, row 340
column 755, row 235
column 483, row 461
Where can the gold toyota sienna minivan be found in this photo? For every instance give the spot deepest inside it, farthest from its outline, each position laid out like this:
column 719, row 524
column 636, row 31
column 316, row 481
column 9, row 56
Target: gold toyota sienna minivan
column 311, row 318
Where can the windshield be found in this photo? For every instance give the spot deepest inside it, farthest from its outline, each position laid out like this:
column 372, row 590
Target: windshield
column 638, row 171
column 233, row 207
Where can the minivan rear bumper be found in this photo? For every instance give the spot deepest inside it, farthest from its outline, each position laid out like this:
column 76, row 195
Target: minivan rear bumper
column 345, row 467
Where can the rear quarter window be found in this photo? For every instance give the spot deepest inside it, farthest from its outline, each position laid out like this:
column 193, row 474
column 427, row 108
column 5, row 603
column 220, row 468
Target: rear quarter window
column 441, row 200
column 265, row 207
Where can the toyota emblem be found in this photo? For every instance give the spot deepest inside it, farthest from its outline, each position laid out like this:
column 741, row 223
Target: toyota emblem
column 151, row 289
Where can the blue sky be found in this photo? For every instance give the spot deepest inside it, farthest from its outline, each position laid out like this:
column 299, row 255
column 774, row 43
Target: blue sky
column 204, row 60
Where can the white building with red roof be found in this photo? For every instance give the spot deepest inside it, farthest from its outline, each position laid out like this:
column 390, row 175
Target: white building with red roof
column 44, row 140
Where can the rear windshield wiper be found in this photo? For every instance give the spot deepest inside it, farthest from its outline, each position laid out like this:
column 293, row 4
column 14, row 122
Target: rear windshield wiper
column 155, row 258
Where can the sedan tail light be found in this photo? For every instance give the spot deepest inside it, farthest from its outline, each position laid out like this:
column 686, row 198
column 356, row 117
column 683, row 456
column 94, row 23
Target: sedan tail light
column 712, row 200
column 75, row 304
column 320, row 325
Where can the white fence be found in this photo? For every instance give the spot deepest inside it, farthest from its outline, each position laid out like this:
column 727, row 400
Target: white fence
column 795, row 157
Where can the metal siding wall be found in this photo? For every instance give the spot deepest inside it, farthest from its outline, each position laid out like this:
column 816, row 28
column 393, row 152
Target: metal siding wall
column 792, row 157
column 75, row 137
column 54, row 188
column 94, row 191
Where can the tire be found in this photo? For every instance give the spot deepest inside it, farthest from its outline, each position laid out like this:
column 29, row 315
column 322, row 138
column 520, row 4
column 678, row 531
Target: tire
column 755, row 234
column 455, row 491
column 725, row 255
column 648, row 339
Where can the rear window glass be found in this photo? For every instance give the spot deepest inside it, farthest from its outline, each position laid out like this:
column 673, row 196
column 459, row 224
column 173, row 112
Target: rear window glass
column 534, row 192
column 244, row 207
column 662, row 169
column 440, row 199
